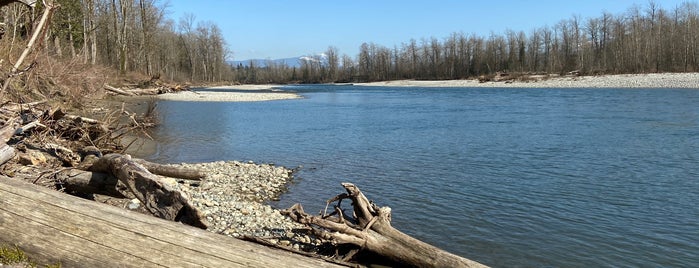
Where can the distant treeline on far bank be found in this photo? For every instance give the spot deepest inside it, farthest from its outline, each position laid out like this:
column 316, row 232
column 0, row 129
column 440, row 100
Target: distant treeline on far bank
column 644, row 39
column 137, row 36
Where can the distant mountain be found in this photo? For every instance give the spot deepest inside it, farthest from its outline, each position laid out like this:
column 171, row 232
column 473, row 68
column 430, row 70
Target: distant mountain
column 291, row 62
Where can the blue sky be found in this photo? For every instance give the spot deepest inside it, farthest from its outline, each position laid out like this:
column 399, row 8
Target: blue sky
column 263, row 29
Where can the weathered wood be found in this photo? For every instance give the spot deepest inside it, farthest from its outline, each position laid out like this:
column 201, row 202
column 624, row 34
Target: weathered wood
column 170, row 171
column 81, row 181
column 374, row 232
column 144, row 91
column 158, row 197
column 67, row 156
column 54, row 227
column 82, row 119
column 118, row 91
column 6, row 153
column 28, row 126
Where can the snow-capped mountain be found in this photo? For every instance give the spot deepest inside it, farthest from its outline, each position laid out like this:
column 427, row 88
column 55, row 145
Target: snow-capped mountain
column 290, row 62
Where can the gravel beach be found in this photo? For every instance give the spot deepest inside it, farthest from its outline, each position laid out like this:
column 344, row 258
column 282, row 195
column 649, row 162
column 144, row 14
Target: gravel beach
column 255, row 93
column 654, row 80
column 233, row 196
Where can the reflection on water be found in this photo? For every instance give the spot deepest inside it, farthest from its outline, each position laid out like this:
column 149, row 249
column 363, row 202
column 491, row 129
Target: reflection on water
column 507, row 177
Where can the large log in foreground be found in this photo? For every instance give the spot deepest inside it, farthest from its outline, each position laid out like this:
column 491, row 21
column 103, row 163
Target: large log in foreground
column 55, row 227
column 371, row 229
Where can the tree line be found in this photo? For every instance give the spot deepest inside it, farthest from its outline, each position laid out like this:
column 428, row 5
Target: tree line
column 128, row 35
column 137, row 36
column 643, row 39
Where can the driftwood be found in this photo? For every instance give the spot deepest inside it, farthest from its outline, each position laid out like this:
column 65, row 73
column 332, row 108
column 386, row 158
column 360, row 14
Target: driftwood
column 118, row 91
column 81, row 181
column 145, row 91
column 6, row 153
column 54, row 227
column 82, row 119
column 371, row 229
column 169, row 171
column 159, row 198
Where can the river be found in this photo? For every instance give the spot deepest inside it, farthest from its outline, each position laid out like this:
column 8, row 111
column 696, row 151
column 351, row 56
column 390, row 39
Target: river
column 506, row 177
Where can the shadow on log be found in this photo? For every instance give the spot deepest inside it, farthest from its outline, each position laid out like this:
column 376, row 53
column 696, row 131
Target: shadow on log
column 158, row 197
column 370, row 229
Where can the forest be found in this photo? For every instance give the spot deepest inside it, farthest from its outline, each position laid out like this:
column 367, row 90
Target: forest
column 128, row 36
column 643, row 39
column 138, row 36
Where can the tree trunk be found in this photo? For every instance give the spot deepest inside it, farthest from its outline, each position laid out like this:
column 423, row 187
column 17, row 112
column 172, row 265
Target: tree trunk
column 373, row 232
column 158, row 197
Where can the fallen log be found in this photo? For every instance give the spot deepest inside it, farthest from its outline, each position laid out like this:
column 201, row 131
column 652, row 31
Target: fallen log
column 81, row 181
column 372, row 231
column 118, row 91
column 158, row 197
column 144, row 91
column 55, row 227
column 170, row 171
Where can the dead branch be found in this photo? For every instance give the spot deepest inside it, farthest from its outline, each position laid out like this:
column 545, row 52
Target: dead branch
column 41, row 27
column 373, row 232
column 170, row 171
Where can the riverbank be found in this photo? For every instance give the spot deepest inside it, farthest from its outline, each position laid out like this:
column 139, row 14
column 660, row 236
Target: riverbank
column 231, row 94
column 653, row 80
column 233, row 196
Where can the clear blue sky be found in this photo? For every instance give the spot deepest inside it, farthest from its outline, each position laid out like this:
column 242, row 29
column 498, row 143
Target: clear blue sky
column 263, row 29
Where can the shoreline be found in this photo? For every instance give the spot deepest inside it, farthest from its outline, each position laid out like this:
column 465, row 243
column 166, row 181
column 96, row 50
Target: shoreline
column 253, row 93
column 651, row 80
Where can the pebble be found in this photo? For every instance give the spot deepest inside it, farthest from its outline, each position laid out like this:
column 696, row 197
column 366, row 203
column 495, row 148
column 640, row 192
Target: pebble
column 233, row 198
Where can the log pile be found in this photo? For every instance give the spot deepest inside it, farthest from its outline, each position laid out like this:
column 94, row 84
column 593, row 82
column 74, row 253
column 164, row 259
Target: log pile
column 150, row 89
column 65, row 152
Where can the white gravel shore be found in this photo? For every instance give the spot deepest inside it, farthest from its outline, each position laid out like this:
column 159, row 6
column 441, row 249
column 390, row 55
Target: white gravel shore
column 654, row 80
column 256, row 93
column 262, row 92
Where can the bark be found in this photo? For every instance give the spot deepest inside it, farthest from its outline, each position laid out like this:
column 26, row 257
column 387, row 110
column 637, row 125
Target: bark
column 372, row 231
column 6, row 153
column 80, row 181
column 118, row 91
column 169, row 171
column 158, row 197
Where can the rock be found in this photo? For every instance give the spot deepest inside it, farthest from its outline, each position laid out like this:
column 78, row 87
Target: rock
column 285, row 243
column 133, row 204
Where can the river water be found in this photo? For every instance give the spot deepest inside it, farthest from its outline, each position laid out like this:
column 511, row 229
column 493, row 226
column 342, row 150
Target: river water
column 506, row 177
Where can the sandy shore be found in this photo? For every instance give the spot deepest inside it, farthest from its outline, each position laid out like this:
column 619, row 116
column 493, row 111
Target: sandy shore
column 256, row 93
column 659, row 80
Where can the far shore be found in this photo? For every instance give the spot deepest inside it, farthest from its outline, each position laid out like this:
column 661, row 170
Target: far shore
column 261, row 92
column 652, row 80
column 257, row 93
